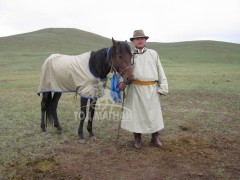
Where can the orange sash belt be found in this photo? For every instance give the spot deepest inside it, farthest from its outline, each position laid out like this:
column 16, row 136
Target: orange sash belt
column 143, row 82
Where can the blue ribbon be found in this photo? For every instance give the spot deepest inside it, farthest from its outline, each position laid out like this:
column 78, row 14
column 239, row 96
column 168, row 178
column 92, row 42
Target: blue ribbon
column 115, row 92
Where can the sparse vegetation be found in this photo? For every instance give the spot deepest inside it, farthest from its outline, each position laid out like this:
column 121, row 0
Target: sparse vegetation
column 201, row 115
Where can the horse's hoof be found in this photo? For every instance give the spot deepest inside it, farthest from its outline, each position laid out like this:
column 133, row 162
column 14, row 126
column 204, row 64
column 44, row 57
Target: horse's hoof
column 93, row 138
column 82, row 141
column 43, row 129
column 59, row 129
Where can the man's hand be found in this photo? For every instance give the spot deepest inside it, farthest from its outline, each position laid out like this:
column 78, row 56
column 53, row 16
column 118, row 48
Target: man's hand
column 121, row 86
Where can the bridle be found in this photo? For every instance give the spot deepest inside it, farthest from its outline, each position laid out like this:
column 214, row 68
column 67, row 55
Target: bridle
column 111, row 64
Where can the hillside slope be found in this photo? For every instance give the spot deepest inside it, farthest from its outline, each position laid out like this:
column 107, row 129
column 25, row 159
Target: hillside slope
column 29, row 50
column 198, row 52
column 54, row 39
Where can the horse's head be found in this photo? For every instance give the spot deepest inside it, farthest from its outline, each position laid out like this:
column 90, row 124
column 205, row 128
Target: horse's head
column 121, row 60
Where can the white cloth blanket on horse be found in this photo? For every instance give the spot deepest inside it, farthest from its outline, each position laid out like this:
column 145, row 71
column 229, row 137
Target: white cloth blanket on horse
column 64, row 73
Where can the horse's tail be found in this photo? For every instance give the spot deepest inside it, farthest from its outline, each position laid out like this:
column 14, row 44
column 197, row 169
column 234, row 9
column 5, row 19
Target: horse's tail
column 49, row 110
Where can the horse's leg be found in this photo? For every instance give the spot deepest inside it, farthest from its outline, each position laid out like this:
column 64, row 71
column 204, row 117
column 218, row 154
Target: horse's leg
column 91, row 115
column 43, row 110
column 55, row 100
column 82, row 118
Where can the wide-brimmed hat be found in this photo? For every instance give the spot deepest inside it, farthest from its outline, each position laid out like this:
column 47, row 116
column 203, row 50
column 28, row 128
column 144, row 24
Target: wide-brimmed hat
column 138, row 34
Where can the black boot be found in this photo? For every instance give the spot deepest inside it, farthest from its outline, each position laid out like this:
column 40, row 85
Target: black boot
column 155, row 141
column 138, row 142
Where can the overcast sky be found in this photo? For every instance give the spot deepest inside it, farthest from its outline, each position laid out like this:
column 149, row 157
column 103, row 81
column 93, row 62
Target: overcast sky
column 162, row 20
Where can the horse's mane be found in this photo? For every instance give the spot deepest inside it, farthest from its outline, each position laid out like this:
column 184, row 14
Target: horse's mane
column 98, row 60
column 98, row 64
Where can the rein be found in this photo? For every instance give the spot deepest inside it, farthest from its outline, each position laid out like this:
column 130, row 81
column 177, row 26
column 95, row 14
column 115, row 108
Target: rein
column 119, row 125
column 111, row 65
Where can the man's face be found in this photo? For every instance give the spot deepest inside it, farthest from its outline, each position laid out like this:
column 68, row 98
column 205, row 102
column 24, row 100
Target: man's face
column 139, row 43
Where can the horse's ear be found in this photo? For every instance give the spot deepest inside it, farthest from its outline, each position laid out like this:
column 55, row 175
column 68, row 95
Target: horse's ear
column 126, row 41
column 114, row 42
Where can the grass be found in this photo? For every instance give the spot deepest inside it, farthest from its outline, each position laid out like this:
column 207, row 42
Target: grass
column 203, row 103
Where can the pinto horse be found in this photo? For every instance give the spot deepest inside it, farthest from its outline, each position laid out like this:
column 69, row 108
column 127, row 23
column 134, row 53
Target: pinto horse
column 99, row 63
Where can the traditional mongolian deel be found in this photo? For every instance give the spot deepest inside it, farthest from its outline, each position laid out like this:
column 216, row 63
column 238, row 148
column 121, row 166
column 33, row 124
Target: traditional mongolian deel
column 64, row 73
column 143, row 101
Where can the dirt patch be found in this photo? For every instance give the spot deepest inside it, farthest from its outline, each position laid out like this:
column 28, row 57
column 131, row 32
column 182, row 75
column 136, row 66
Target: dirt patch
column 189, row 127
column 44, row 165
column 183, row 157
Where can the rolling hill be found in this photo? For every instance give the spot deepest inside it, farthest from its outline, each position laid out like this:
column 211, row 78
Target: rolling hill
column 199, row 51
column 29, row 50
column 54, row 39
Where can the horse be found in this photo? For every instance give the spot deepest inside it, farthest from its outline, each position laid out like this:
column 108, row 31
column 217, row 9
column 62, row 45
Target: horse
column 95, row 66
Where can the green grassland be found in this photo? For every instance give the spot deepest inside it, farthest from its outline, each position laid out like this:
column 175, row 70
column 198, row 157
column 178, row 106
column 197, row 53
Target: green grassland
column 203, row 102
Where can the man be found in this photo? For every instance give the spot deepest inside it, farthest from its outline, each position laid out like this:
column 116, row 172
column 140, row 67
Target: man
column 143, row 95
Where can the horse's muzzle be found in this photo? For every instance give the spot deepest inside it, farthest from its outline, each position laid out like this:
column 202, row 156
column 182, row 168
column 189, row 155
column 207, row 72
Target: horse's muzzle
column 128, row 79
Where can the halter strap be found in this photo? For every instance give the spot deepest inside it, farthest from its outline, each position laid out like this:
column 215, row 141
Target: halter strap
column 108, row 60
column 125, row 69
column 111, row 65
